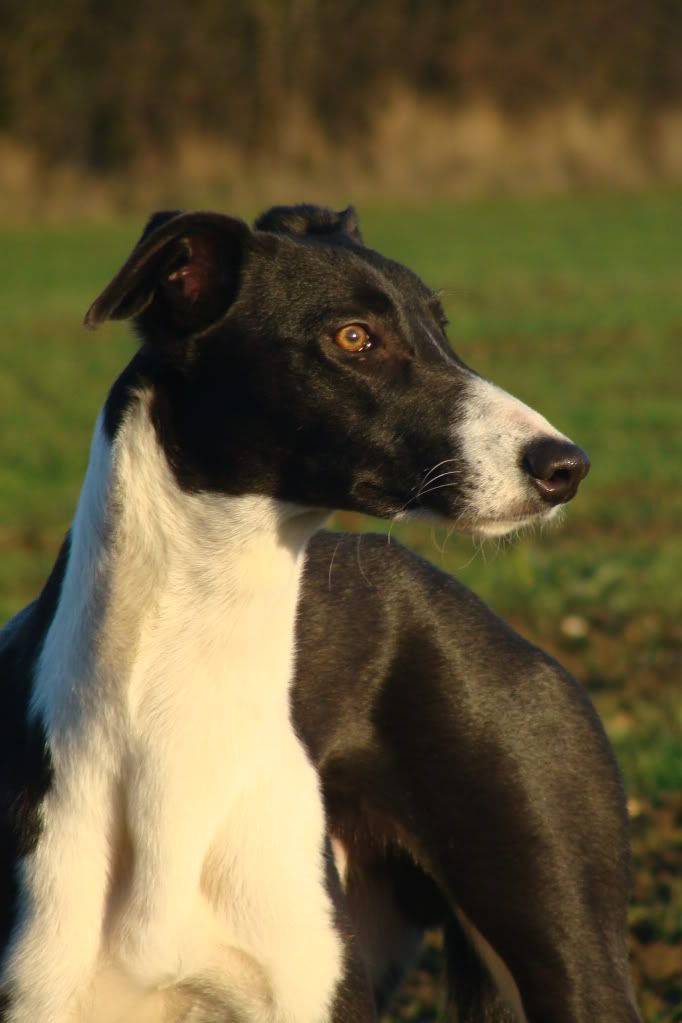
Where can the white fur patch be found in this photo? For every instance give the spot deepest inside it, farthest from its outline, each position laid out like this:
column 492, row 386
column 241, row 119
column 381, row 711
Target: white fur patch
column 181, row 858
column 493, row 431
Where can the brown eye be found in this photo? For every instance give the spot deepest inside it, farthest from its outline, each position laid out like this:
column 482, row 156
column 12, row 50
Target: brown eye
column 353, row 338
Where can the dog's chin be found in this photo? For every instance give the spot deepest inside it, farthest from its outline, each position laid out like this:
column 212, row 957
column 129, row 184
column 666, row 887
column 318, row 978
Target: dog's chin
column 503, row 526
column 486, row 526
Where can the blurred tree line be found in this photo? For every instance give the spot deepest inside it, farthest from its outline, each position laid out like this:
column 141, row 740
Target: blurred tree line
column 96, row 84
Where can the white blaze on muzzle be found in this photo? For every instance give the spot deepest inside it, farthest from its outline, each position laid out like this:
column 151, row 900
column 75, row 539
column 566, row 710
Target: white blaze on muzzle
column 493, row 431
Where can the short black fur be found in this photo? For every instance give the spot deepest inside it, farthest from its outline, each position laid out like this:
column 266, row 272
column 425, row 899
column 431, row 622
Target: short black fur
column 458, row 743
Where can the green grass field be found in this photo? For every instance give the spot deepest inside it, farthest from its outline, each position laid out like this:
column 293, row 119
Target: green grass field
column 575, row 305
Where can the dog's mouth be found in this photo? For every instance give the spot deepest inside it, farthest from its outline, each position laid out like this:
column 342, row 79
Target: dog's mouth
column 475, row 523
column 492, row 527
column 486, row 526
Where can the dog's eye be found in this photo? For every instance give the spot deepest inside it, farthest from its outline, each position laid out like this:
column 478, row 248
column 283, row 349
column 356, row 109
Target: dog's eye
column 353, row 338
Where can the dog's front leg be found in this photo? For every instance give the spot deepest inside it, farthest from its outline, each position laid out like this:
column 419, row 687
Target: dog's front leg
column 168, row 935
column 159, row 936
column 235, row 916
column 62, row 895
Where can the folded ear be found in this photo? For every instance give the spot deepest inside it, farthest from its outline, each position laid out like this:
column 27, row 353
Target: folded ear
column 310, row 220
column 181, row 276
column 157, row 220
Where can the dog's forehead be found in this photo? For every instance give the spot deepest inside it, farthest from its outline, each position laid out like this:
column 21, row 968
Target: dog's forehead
column 313, row 269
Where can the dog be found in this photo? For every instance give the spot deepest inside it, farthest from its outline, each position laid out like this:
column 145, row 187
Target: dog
column 246, row 762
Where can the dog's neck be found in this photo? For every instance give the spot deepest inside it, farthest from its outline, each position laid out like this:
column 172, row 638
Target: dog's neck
column 156, row 576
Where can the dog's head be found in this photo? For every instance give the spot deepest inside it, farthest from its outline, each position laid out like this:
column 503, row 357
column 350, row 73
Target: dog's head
column 293, row 361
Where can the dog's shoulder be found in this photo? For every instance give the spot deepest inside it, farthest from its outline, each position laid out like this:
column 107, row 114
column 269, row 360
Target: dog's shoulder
column 352, row 570
column 387, row 640
column 378, row 599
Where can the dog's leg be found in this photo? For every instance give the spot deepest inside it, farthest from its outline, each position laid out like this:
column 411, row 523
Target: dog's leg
column 391, row 903
column 354, row 1000
column 163, row 928
column 509, row 789
column 387, row 940
column 246, row 995
column 234, row 987
column 479, row 984
column 249, row 926
column 63, row 887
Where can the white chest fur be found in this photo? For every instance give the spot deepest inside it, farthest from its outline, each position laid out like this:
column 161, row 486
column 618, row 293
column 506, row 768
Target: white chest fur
column 182, row 848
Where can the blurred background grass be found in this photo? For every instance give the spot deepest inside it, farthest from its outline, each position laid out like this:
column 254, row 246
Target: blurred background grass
column 525, row 161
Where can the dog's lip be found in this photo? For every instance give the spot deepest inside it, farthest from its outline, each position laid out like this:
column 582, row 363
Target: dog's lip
column 499, row 524
column 527, row 515
column 400, row 506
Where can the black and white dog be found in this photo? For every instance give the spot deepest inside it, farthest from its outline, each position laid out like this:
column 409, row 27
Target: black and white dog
column 242, row 766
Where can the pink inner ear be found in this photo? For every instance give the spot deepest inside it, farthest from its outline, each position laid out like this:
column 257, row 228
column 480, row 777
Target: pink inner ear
column 194, row 275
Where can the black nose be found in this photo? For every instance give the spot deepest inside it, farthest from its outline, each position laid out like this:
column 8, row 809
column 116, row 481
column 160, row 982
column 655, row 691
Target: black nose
column 556, row 468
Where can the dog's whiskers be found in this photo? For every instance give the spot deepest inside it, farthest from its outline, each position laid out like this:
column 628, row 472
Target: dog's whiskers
column 357, row 558
column 431, row 490
column 331, row 564
column 428, row 478
column 440, row 476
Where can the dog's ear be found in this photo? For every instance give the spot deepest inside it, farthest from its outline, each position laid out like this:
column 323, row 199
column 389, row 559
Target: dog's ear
column 308, row 220
column 157, row 220
column 181, row 276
